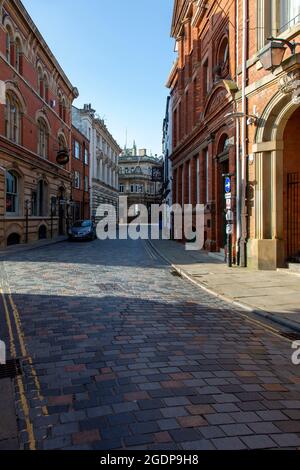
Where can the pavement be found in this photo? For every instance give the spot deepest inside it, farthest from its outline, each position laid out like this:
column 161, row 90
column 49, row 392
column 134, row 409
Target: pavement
column 117, row 352
column 12, row 250
column 272, row 295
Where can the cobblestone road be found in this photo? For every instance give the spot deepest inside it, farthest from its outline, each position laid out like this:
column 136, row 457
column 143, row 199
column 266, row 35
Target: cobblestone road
column 119, row 353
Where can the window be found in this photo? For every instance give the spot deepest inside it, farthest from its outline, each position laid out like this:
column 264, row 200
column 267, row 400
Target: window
column 46, row 89
column 206, row 168
column 12, row 196
column 86, row 156
column 43, row 139
column 206, row 78
column 41, row 83
column 132, row 188
column 18, row 56
column 60, row 106
column 53, row 202
column 289, row 14
column 9, row 49
column 77, row 149
column 12, row 119
column 42, row 209
column 77, row 180
column 34, row 205
column 86, row 184
column 121, row 188
column 64, row 110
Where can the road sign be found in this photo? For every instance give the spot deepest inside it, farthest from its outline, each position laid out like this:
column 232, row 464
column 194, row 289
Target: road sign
column 229, row 216
column 228, row 196
column 229, row 229
column 227, row 184
column 228, row 204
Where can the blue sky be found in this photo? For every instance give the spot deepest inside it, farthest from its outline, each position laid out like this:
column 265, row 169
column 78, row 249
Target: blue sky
column 118, row 53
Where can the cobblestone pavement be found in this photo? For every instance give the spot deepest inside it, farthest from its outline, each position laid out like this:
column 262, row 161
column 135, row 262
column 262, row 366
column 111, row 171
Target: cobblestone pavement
column 119, row 353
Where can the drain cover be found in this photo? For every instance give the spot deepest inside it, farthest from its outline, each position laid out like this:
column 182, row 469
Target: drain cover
column 11, row 369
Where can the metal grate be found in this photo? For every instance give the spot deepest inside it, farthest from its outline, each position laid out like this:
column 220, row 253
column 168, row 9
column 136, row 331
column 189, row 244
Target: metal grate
column 11, row 369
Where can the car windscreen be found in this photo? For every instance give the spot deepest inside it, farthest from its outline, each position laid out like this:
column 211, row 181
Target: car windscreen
column 82, row 223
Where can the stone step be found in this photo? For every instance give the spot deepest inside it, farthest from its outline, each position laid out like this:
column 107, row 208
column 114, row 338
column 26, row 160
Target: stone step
column 294, row 267
column 218, row 255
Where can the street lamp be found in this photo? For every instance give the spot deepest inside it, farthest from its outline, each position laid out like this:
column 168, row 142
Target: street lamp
column 272, row 55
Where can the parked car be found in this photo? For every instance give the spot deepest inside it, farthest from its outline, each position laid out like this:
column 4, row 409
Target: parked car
column 83, row 230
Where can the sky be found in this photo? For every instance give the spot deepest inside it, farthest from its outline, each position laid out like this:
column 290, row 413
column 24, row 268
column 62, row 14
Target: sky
column 118, row 53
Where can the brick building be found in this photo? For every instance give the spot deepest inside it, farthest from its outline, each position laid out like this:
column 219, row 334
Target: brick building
column 80, row 175
column 271, row 151
column 237, row 111
column 35, row 124
column 202, row 86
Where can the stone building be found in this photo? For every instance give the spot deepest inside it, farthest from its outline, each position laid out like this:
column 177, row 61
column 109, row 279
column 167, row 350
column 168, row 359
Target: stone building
column 269, row 91
column 104, row 157
column 140, row 177
column 202, row 86
column 35, row 128
column 80, row 175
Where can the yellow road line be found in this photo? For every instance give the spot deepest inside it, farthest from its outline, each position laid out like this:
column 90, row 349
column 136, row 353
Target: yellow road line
column 24, row 349
column 24, row 402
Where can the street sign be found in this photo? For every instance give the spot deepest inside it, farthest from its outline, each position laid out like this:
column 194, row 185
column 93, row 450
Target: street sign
column 227, row 184
column 229, row 216
column 229, row 229
column 228, row 204
column 228, row 196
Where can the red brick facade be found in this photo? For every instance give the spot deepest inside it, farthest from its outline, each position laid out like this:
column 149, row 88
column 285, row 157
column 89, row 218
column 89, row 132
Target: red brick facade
column 80, row 175
column 201, row 85
column 35, row 122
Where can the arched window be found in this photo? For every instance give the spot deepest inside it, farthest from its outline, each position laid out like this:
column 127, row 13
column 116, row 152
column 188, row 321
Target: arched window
column 12, row 118
column 60, row 105
column 43, row 139
column 9, row 48
column 223, row 57
column 12, row 193
column 64, row 110
column 41, row 83
column 18, row 56
column 46, row 88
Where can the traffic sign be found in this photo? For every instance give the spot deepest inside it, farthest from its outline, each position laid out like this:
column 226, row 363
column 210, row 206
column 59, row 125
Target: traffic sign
column 228, row 204
column 227, row 184
column 228, row 196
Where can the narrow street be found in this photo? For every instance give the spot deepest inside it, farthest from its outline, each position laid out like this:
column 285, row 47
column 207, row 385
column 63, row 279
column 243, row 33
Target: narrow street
column 117, row 352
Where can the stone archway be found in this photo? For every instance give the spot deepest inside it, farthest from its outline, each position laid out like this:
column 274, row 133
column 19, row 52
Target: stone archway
column 268, row 250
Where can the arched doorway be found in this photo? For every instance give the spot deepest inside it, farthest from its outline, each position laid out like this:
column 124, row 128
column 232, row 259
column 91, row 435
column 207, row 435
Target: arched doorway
column 13, row 239
column 277, row 167
column 291, row 188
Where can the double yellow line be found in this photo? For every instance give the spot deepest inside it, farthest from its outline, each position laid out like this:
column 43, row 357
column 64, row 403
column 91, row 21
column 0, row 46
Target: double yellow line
column 24, row 354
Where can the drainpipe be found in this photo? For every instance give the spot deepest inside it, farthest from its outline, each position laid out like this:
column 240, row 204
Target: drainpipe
column 243, row 239
column 238, row 156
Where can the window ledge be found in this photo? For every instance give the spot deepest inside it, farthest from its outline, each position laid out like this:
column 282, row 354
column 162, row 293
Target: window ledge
column 290, row 33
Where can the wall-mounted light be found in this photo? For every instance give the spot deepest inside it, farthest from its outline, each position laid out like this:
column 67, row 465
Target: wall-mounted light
column 273, row 53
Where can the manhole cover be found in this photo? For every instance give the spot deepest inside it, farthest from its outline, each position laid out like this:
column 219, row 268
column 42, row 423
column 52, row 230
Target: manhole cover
column 11, row 369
